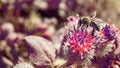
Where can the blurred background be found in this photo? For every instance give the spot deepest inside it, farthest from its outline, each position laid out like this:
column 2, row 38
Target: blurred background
column 46, row 16
column 19, row 18
column 32, row 12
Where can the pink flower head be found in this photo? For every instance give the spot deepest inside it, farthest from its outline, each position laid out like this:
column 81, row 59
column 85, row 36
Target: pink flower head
column 82, row 37
column 109, row 31
column 80, row 41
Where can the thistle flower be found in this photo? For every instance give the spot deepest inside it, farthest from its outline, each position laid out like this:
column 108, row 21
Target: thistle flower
column 80, row 41
column 79, row 45
column 109, row 31
column 87, row 41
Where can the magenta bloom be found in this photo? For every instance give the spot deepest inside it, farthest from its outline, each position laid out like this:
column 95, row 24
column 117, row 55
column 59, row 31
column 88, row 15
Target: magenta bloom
column 80, row 41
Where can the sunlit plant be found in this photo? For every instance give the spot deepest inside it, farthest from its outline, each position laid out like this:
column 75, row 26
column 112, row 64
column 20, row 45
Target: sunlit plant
column 86, row 38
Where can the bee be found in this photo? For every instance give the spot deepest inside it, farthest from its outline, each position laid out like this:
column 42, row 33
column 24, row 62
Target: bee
column 87, row 21
column 84, row 21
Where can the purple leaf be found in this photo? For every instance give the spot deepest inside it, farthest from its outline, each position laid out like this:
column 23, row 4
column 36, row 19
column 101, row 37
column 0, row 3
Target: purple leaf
column 41, row 51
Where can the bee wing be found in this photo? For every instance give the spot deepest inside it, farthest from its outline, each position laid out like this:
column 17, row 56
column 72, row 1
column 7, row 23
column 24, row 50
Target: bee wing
column 97, row 20
column 96, row 26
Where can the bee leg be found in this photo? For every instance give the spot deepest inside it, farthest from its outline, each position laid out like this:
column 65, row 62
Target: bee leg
column 79, row 23
column 85, row 26
column 93, row 32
